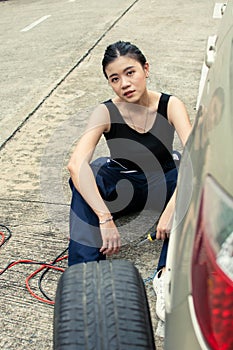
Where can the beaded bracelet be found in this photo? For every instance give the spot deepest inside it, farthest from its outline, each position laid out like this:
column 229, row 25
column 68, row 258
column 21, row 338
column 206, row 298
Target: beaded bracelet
column 106, row 220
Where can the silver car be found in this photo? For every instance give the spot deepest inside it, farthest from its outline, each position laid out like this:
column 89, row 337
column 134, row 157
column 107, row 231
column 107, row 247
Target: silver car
column 199, row 286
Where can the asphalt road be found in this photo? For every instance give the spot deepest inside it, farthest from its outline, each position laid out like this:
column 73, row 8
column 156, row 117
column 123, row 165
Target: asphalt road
column 50, row 65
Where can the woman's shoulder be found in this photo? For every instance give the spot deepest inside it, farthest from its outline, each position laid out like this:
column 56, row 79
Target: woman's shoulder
column 107, row 102
column 157, row 98
column 99, row 116
column 170, row 100
column 165, row 96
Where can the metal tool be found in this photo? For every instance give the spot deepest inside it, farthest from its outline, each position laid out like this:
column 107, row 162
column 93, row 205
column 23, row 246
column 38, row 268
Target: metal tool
column 150, row 237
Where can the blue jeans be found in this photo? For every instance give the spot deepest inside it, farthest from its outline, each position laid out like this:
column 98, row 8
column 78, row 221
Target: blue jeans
column 152, row 191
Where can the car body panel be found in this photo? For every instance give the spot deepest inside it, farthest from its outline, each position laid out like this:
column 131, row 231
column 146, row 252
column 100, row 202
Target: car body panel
column 208, row 153
column 181, row 336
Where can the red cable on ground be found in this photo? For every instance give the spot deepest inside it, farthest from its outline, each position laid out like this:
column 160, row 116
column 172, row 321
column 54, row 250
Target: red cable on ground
column 39, row 270
column 2, row 238
column 43, row 266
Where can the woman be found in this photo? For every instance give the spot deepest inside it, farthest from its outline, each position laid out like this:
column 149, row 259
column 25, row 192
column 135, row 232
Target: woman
column 138, row 125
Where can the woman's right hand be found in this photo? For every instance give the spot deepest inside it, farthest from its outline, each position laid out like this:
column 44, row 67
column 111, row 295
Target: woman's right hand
column 111, row 238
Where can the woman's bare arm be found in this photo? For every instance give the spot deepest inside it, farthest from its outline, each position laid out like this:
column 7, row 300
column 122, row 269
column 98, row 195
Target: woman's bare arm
column 84, row 180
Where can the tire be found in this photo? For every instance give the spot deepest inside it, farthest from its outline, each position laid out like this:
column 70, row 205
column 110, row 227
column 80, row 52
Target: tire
column 102, row 306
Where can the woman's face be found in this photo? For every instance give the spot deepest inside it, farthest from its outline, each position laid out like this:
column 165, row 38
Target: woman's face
column 127, row 78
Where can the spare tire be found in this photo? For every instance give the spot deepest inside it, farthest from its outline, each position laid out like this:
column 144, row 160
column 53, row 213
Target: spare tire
column 102, row 306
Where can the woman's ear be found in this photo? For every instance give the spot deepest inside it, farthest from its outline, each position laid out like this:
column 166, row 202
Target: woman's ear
column 146, row 69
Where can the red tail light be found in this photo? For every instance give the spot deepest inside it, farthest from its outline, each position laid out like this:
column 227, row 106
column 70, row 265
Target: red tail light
column 212, row 268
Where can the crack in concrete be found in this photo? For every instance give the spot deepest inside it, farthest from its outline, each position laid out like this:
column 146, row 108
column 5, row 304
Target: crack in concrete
column 85, row 55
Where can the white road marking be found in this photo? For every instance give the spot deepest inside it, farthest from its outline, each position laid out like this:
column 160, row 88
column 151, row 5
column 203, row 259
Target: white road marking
column 218, row 10
column 32, row 25
column 71, row 0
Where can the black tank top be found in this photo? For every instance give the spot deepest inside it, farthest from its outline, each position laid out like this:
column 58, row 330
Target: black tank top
column 150, row 151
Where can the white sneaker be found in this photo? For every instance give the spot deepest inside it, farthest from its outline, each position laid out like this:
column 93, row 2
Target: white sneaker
column 160, row 330
column 159, row 288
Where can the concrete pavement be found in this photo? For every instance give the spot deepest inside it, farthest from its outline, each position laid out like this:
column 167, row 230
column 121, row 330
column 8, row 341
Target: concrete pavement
column 41, row 42
column 34, row 195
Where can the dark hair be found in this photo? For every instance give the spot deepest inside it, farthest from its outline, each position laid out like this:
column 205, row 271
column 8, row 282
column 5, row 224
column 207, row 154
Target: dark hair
column 122, row 48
